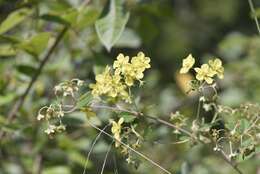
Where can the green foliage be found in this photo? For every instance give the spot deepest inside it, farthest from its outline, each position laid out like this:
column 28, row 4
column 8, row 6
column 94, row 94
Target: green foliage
column 166, row 31
column 110, row 27
column 84, row 100
column 36, row 44
column 7, row 50
column 128, row 117
column 14, row 19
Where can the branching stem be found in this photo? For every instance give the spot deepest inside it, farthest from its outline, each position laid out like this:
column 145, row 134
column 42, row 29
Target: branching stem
column 186, row 132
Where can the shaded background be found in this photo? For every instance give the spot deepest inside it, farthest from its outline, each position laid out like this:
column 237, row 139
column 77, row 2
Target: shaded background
column 166, row 31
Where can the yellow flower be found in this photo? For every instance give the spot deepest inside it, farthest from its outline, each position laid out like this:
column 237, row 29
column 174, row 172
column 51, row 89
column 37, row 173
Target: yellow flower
column 204, row 73
column 116, row 130
column 115, row 83
column 135, row 71
column 141, row 62
column 216, row 66
column 103, row 83
column 121, row 63
column 187, row 64
column 110, row 85
column 118, row 89
column 129, row 80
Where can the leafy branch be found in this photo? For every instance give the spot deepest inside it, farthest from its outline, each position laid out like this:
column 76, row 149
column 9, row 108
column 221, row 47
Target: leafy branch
column 17, row 106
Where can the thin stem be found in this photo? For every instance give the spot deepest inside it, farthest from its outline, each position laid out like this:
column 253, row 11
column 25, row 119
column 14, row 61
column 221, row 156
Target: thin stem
column 139, row 153
column 105, row 160
column 252, row 8
column 252, row 125
column 215, row 117
column 230, row 147
column 137, row 114
column 198, row 111
column 115, row 164
column 92, row 147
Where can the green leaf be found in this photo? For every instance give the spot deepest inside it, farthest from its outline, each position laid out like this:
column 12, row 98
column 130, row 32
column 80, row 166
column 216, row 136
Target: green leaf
column 87, row 16
column 84, row 100
column 71, row 16
column 110, row 27
column 26, row 69
column 244, row 124
column 6, row 99
column 11, row 127
column 54, row 18
column 14, row 19
column 7, row 50
column 78, row 158
column 129, row 39
column 257, row 13
column 57, row 169
column 128, row 117
column 36, row 44
column 9, row 39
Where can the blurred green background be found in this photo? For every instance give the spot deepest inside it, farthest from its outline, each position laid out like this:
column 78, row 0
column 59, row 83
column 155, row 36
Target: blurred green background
column 166, row 31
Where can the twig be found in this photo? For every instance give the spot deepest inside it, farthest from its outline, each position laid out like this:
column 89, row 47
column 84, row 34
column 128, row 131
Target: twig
column 254, row 15
column 17, row 106
column 105, row 160
column 198, row 111
column 92, row 147
column 137, row 114
column 122, row 143
column 115, row 164
column 227, row 159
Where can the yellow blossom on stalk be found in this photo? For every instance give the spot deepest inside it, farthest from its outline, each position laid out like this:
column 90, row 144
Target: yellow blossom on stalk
column 129, row 75
column 118, row 89
column 103, row 82
column 141, row 62
column 204, row 73
column 110, row 85
column 121, row 63
column 116, row 130
column 187, row 64
column 216, row 66
column 115, row 83
column 135, row 70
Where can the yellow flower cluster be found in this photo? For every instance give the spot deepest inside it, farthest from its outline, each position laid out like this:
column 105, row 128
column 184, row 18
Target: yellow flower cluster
column 133, row 70
column 114, row 83
column 206, row 71
column 187, row 64
column 116, row 130
column 110, row 85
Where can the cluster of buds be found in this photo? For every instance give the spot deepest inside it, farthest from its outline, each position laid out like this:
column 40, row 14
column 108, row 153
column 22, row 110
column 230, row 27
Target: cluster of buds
column 68, row 88
column 129, row 136
column 53, row 113
column 179, row 121
column 241, row 133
